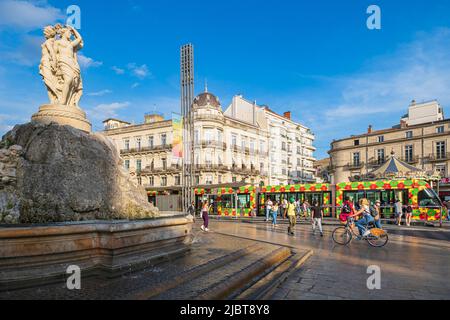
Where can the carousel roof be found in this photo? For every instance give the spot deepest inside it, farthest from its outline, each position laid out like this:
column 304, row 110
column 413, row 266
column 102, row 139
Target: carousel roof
column 394, row 166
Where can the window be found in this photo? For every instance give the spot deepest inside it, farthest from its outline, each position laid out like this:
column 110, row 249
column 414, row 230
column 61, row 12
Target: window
column 219, row 179
column 163, row 139
column 164, row 163
column 127, row 164
column 440, row 129
column 261, row 146
column 299, row 150
column 139, row 179
column 283, row 146
column 126, row 144
column 409, row 134
column 356, row 142
column 233, row 140
column 252, row 146
column 299, row 162
column 440, row 150
column 196, row 137
column 138, row 166
column 208, row 159
column 243, row 144
column 428, row 198
column 209, row 135
column 163, row 181
column 150, row 142
column 209, row 179
column 441, row 170
column 380, row 156
column 138, row 143
column 409, row 153
column 197, row 180
column 356, row 159
column 380, row 139
column 177, row 180
column 219, row 136
column 233, row 179
column 151, row 181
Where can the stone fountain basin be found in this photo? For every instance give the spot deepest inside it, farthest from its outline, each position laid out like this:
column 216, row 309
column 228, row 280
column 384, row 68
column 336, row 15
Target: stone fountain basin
column 32, row 255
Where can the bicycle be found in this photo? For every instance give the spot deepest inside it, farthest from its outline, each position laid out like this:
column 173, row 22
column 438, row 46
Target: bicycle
column 344, row 235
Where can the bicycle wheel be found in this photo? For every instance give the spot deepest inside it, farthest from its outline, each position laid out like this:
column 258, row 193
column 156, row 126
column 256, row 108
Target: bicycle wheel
column 342, row 236
column 378, row 238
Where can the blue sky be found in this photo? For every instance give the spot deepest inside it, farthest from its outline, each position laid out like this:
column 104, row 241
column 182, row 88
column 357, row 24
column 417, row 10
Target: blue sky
column 315, row 58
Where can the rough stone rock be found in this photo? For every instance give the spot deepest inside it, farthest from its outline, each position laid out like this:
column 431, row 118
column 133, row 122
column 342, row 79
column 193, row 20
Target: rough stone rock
column 56, row 173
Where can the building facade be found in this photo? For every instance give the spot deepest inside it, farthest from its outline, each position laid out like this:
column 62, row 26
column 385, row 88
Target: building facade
column 421, row 144
column 290, row 144
column 238, row 145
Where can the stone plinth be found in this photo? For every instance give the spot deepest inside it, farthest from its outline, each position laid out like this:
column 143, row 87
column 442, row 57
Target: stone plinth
column 37, row 255
column 63, row 115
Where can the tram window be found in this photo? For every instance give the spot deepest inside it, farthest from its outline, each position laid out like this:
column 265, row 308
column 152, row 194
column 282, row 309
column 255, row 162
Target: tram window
column 428, row 198
column 243, row 201
column 373, row 196
column 354, row 196
column 227, row 201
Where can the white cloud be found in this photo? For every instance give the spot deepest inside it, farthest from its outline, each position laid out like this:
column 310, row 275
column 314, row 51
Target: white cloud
column 140, row 72
column 26, row 54
column 99, row 93
column 105, row 111
column 26, row 15
column 118, row 70
column 135, row 85
column 86, row 62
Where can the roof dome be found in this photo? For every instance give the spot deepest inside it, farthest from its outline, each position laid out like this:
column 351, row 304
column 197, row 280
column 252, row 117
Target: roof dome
column 207, row 99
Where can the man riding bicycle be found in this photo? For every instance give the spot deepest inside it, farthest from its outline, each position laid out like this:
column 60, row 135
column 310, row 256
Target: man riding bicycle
column 366, row 218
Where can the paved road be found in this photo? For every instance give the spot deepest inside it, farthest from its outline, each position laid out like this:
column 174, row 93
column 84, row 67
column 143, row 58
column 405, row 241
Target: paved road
column 411, row 268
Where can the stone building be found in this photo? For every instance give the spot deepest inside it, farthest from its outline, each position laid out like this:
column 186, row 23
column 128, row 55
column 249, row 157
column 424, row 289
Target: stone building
column 421, row 139
column 290, row 143
column 246, row 143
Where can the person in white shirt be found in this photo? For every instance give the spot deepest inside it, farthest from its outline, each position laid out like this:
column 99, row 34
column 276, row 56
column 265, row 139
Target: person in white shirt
column 269, row 205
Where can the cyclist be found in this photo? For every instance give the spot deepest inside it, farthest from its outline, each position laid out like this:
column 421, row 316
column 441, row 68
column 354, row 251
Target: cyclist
column 366, row 218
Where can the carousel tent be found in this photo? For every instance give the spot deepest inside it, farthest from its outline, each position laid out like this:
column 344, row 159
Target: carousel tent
column 394, row 167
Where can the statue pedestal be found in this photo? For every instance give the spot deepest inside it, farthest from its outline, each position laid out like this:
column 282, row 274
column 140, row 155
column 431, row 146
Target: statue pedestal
column 63, row 115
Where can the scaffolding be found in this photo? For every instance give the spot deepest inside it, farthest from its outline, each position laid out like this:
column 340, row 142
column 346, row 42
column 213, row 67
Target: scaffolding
column 187, row 98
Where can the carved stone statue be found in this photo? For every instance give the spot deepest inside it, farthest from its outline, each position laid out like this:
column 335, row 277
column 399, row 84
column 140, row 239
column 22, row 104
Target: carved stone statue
column 61, row 74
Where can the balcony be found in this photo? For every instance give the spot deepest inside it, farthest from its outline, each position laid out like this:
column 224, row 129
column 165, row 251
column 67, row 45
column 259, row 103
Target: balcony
column 210, row 167
column 438, row 157
column 413, row 160
column 161, row 170
column 160, row 148
column 354, row 166
column 212, row 144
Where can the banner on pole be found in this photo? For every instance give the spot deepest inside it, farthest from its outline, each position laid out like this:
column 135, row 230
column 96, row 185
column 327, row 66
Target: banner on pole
column 177, row 144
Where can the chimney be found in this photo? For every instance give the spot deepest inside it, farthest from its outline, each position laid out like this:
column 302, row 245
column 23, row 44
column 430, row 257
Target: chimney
column 287, row 115
column 403, row 124
column 370, row 129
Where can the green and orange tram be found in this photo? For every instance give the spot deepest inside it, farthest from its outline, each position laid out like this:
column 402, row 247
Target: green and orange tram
column 249, row 201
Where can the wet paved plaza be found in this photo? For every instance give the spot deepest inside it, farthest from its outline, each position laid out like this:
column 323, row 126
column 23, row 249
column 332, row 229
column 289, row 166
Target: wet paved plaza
column 411, row 268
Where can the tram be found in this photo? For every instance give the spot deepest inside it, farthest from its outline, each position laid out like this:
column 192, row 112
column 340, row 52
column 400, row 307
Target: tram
column 249, row 201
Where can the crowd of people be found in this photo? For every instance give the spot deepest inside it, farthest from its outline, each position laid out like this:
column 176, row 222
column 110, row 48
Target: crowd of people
column 364, row 211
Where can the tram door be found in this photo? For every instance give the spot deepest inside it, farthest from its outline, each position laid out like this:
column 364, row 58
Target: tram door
column 210, row 198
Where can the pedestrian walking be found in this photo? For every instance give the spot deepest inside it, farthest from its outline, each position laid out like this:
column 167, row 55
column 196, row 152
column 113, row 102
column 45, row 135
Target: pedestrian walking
column 274, row 213
column 290, row 209
column 269, row 205
column 284, row 207
column 398, row 212
column 377, row 217
column 317, row 216
column 205, row 216
column 408, row 215
column 191, row 209
column 298, row 208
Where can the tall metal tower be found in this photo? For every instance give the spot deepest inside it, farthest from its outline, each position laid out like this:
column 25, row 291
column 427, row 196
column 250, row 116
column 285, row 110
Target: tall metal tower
column 187, row 98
